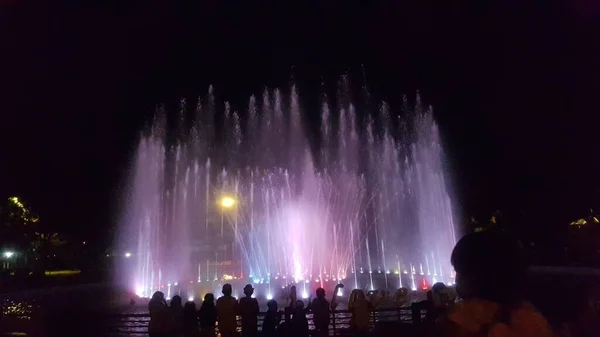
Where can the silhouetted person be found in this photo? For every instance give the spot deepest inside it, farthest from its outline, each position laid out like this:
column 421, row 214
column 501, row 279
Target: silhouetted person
column 320, row 309
column 159, row 325
column 226, row 311
column 176, row 313
column 489, row 277
column 272, row 319
column 299, row 323
column 208, row 316
column 439, row 301
column 248, row 309
column 289, row 310
column 190, row 320
column 360, row 309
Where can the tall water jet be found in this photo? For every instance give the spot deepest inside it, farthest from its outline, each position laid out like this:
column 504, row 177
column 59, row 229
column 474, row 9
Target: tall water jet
column 254, row 202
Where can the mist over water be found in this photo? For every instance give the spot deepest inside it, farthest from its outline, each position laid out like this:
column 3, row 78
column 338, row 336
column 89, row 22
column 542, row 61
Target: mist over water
column 254, row 202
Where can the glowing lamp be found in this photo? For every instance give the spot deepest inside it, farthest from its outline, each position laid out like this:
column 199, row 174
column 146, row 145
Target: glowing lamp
column 8, row 254
column 227, row 202
column 269, row 297
column 127, row 255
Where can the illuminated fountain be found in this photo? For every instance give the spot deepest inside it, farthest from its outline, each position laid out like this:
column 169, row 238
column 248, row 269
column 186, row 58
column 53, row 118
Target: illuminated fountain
column 254, row 205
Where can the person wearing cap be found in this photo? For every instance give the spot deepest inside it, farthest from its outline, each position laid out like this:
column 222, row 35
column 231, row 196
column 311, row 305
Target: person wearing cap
column 226, row 311
column 248, row 309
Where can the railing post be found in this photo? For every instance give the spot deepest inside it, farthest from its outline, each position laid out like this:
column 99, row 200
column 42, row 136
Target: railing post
column 333, row 321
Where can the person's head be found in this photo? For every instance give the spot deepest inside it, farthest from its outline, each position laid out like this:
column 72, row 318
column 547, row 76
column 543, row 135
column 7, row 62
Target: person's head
column 190, row 307
column 489, row 266
column 176, row 301
column 320, row 293
column 358, row 295
column 248, row 290
column 209, row 298
column 438, row 286
column 272, row 305
column 158, row 296
column 226, row 289
column 299, row 305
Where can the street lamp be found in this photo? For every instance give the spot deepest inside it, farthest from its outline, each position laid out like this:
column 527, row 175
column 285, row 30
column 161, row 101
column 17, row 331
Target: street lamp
column 227, row 202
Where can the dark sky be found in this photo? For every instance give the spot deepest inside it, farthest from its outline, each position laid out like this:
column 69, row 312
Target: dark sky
column 513, row 85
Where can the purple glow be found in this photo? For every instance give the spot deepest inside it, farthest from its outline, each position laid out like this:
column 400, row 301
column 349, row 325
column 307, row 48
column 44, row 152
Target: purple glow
column 375, row 200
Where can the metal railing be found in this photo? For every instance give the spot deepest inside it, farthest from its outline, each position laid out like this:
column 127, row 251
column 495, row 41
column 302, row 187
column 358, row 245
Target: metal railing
column 126, row 325
column 137, row 324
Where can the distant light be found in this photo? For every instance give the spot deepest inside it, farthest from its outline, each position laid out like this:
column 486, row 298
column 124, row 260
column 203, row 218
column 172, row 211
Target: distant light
column 227, row 202
column 305, row 295
column 175, row 283
column 8, row 254
column 128, row 255
column 84, row 242
column 388, row 272
column 340, row 292
column 190, row 298
column 139, row 292
column 269, row 297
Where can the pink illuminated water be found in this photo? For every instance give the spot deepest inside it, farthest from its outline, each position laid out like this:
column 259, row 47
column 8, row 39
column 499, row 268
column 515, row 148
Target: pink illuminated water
column 376, row 202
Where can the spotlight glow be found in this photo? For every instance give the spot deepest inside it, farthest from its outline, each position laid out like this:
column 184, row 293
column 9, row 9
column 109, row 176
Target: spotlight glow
column 227, row 202
column 127, row 255
column 8, row 254
column 269, row 297
column 139, row 291
column 304, row 295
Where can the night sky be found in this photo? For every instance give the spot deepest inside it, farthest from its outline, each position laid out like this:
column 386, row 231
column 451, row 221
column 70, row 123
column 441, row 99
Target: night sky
column 513, row 85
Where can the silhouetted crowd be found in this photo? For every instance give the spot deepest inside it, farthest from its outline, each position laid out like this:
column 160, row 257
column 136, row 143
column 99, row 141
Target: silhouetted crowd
column 177, row 320
column 487, row 302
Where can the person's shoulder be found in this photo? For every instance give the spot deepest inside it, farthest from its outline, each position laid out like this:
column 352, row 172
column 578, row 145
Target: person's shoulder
column 528, row 319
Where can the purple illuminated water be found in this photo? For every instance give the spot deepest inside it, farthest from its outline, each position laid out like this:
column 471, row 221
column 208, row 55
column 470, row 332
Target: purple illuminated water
column 375, row 204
